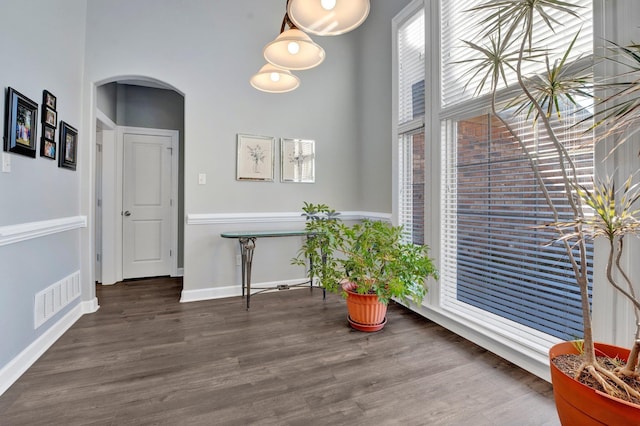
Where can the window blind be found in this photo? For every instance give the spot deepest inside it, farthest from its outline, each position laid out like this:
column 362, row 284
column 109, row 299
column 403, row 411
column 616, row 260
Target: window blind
column 411, row 72
column 497, row 266
column 458, row 25
column 494, row 228
column 411, row 149
column 411, row 142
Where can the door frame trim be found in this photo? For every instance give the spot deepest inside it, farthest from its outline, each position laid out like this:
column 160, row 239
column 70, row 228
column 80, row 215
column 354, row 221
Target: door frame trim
column 119, row 240
column 107, row 168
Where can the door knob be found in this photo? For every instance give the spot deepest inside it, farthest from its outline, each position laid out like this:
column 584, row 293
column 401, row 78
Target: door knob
column 127, row 213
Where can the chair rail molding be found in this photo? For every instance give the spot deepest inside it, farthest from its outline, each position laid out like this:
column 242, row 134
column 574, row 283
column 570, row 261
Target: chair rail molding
column 273, row 217
column 11, row 234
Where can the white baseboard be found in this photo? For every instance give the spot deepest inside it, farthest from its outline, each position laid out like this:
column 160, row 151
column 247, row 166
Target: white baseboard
column 180, row 272
column 21, row 363
column 231, row 291
column 209, row 293
column 91, row 306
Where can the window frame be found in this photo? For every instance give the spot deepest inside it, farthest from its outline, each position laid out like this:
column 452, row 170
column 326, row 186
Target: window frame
column 534, row 360
column 411, row 126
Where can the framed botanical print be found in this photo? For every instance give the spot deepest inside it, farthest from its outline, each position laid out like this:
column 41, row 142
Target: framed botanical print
column 297, row 160
column 255, row 158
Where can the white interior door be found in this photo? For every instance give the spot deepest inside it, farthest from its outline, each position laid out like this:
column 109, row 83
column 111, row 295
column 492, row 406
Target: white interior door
column 146, row 205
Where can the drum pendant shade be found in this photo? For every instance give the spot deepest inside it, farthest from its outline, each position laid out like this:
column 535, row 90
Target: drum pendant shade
column 294, row 50
column 328, row 17
column 271, row 79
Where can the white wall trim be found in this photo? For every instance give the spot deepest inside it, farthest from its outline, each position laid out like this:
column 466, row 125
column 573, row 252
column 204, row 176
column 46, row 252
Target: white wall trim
column 11, row 234
column 15, row 368
column 234, row 290
column 90, row 306
column 367, row 215
column 209, row 293
column 273, row 217
column 101, row 116
column 56, row 297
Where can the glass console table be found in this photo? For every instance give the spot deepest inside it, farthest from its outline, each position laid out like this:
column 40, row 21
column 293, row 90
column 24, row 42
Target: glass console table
column 247, row 240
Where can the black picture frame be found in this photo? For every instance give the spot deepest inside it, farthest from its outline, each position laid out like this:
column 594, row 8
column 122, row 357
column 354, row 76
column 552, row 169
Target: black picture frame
column 21, row 118
column 48, row 132
column 49, row 100
column 68, row 146
column 49, row 116
column 48, row 149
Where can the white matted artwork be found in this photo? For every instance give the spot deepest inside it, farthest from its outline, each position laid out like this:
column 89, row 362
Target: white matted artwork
column 297, row 160
column 255, row 158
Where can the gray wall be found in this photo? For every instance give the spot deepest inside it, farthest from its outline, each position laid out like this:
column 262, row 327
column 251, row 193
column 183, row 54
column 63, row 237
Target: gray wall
column 37, row 57
column 188, row 46
column 107, row 100
column 374, row 101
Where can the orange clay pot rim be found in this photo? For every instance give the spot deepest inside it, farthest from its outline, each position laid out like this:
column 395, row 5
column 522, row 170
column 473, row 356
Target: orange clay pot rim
column 350, row 286
column 602, row 352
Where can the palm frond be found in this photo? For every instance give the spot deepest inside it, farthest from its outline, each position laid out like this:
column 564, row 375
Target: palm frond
column 517, row 16
column 614, row 215
column 556, row 88
column 619, row 113
column 494, row 60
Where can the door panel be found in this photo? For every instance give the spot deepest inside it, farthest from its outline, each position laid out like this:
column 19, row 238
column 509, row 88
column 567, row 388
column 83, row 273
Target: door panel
column 146, row 205
column 147, row 240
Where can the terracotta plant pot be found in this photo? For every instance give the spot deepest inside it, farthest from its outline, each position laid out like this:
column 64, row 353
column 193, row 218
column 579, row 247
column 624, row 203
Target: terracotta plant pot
column 579, row 404
column 366, row 312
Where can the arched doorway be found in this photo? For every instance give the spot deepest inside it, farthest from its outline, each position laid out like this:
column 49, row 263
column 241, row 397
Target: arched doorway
column 153, row 112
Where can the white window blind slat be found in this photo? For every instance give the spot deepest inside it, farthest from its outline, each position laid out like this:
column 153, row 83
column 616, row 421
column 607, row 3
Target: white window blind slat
column 411, row 140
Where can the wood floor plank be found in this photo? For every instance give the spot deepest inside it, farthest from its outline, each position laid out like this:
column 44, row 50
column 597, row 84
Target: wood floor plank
column 146, row 359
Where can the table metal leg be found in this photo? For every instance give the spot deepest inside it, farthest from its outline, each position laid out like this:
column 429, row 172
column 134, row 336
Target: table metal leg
column 247, row 245
column 243, row 267
column 312, row 271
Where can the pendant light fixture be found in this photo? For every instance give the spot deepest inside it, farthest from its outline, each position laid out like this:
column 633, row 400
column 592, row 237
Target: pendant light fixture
column 272, row 79
column 327, row 17
column 293, row 49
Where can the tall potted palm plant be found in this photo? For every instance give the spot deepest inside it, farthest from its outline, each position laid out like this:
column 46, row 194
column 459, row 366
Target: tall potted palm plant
column 598, row 210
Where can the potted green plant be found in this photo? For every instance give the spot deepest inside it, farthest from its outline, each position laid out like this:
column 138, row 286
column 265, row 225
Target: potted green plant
column 593, row 393
column 368, row 263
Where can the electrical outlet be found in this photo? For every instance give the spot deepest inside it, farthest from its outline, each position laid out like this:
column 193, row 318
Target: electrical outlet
column 202, row 179
column 238, row 260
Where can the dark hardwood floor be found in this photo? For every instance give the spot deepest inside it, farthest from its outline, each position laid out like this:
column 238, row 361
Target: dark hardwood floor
column 146, row 359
